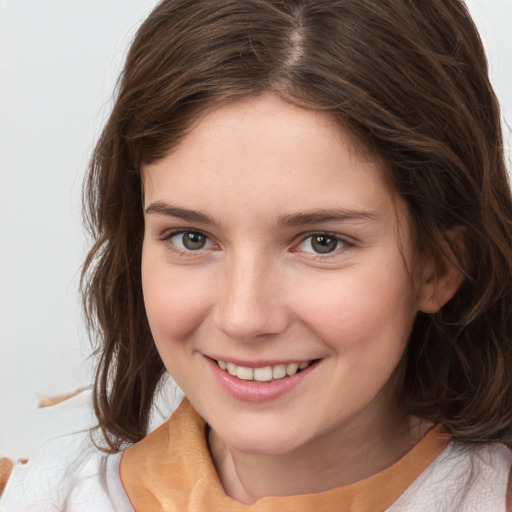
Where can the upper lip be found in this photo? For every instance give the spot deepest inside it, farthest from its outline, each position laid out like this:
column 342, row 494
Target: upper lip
column 259, row 363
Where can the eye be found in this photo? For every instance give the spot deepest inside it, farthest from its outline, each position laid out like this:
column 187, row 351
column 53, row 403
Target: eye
column 188, row 240
column 322, row 243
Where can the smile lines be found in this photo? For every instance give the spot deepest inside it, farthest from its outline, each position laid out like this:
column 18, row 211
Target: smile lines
column 265, row 373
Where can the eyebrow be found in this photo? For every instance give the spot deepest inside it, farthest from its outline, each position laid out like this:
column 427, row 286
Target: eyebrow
column 287, row 220
column 328, row 215
column 170, row 210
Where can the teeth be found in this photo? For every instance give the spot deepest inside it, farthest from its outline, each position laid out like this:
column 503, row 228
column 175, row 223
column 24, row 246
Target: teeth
column 231, row 369
column 265, row 373
column 245, row 373
column 292, row 368
column 278, row 371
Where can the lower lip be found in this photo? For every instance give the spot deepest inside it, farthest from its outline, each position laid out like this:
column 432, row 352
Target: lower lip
column 253, row 391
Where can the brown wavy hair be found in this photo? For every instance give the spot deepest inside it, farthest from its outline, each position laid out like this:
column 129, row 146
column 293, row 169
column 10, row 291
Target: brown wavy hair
column 409, row 78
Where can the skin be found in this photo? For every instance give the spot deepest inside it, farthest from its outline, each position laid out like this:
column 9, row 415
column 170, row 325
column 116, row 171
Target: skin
column 258, row 290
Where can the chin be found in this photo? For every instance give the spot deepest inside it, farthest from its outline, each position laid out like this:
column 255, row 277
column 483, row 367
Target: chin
column 255, row 439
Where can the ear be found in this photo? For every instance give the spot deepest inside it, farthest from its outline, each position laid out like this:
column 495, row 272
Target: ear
column 440, row 276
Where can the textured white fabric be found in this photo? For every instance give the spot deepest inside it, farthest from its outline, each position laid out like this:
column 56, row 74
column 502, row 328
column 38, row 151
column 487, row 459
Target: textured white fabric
column 68, row 475
column 461, row 479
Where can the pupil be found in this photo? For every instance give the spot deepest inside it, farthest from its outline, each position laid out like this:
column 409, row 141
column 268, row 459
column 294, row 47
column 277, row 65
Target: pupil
column 193, row 241
column 324, row 244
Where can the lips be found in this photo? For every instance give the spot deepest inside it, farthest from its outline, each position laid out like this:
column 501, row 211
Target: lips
column 255, row 382
column 267, row 373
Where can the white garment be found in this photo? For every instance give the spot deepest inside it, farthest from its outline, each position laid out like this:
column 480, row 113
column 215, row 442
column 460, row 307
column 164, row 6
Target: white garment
column 71, row 475
column 460, row 479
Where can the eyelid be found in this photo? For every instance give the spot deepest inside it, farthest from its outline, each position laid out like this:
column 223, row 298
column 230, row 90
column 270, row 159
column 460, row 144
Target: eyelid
column 347, row 243
column 166, row 239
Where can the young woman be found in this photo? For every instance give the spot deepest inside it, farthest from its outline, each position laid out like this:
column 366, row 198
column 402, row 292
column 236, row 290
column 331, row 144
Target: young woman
column 301, row 213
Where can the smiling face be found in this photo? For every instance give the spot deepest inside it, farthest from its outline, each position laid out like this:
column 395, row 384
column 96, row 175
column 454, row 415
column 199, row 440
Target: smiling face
column 275, row 286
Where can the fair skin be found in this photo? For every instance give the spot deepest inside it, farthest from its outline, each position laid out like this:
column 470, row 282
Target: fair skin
column 271, row 242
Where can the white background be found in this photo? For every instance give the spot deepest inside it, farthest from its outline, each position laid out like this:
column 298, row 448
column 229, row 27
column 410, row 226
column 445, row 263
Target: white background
column 59, row 60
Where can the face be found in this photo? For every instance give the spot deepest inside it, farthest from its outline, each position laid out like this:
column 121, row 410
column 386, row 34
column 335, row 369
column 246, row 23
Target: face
column 277, row 293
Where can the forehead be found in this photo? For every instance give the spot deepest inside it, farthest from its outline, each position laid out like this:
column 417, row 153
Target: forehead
column 267, row 152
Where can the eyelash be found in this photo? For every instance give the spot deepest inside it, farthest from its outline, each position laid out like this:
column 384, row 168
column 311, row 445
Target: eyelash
column 167, row 240
column 190, row 253
column 340, row 241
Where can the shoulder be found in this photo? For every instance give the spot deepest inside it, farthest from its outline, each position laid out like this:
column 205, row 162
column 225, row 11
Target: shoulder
column 67, row 473
column 461, row 478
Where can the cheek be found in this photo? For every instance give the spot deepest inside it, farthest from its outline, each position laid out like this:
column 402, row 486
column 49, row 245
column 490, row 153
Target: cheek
column 360, row 311
column 175, row 300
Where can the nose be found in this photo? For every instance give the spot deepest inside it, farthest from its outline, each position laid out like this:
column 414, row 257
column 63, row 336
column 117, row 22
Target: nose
column 251, row 302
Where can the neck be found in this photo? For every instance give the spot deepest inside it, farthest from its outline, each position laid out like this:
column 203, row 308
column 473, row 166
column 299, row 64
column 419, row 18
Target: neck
column 334, row 460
